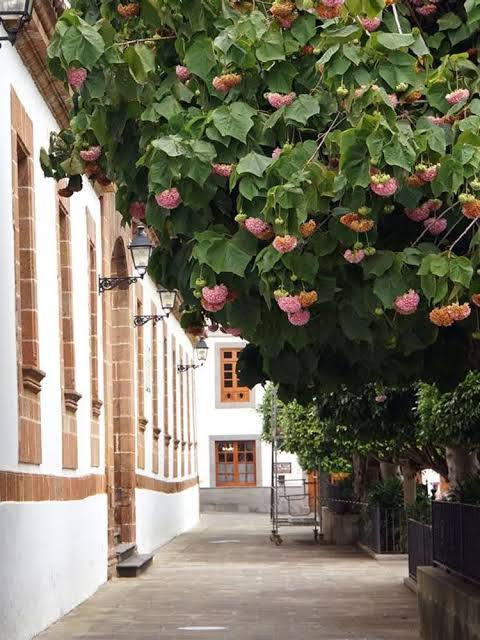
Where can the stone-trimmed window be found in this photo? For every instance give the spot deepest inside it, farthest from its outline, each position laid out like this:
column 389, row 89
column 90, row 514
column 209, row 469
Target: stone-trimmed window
column 96, row 403
column 166, row 418
column 30, row 375
column 141, row 420
column 230, row 389
column 175, row 377
column 67, row 342
column 183, row 441
column 235, row 463
column 155, row 422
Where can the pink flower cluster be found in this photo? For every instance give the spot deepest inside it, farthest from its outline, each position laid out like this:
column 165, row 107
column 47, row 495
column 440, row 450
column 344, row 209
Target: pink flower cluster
column 285, row 244
column 407, row 303
column 435, row 226
column 292, row 306
column 300, row 318
column 354, row 257
column 76, row 77
column 278, row 100
column 92, row 154
column 393, row 100
column 276, row 153
column 333, row 3
column 168, row 199
column 370, row 24
column 422, row 212
column 214, row 298
column 289, row 304
column 426, row 9
column 427, row 173
column 381, row 398
column 457, row 96
column 137, row 210
column 383, row 184
column 287, row 22
column 258, row 227
column 182, row 73
column 223, row 170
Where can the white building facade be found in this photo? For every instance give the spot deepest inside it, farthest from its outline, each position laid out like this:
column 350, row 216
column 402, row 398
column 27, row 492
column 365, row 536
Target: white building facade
column 235, row 463
column 99, row 441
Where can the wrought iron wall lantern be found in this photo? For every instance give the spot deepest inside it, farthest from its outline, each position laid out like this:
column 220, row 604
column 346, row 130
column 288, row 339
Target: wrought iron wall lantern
column 201, row 353
column 167, row 300
column 141, row 250
column 14, row 14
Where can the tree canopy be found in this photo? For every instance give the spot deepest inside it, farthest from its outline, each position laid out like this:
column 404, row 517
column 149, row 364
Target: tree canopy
column 310, row 169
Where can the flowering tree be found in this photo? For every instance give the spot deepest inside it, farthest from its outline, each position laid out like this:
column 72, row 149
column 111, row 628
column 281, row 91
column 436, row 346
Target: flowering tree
column 310, row 169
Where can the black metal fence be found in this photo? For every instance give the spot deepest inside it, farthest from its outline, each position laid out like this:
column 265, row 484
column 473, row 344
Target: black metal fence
column 419, row 546
column 456, row 538
column 384, row 530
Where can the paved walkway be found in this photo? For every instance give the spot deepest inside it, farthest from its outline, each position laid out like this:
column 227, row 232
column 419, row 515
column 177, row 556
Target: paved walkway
column 226, row 574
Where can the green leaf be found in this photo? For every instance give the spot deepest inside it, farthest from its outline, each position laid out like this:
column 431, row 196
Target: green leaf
column 281, row 76
column 331, row 51
column 449, row 21
column 302, row 108
column 234, row 120
column 267, row 259
column 83, row 45
column 141, row 62
column 439, row 265
column 389, row 286
column 304, row 266
column 221, row 254
column 323, row 243
column 428, row 284
column 354, row 327
column 272, row 47
column 400, row 154
column 304, row 28
column 370, row 7
column 354, row 162
column 200, row 57
column 173, row 146
column 395, row 40
column 254, row 163
column 461, row 270
column 379, row 263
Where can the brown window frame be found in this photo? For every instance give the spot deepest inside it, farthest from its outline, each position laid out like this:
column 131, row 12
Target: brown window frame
column 234, row 393
column 237, row 451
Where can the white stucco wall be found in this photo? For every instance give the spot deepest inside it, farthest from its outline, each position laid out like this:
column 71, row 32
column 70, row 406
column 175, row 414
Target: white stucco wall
column 223, row 420
column 52, row 559
column 162, row 516
column 52, row 556
column 15, row 75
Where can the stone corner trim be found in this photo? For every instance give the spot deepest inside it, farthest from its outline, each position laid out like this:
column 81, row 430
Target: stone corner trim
column 163, row 486
column 36, row 487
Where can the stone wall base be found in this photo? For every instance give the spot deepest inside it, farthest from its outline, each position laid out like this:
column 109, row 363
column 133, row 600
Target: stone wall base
column 449, row 607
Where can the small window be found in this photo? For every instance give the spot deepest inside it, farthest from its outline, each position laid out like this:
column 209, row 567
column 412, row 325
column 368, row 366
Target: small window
column 235, row 463
column 230, row 389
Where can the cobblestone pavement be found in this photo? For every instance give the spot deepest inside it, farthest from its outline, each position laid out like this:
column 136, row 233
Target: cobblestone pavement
column 226, row 581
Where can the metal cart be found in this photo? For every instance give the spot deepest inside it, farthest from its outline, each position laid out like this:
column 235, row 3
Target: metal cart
column 293, row 502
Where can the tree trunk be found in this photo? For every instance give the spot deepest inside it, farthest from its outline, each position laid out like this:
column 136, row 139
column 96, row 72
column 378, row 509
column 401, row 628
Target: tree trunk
column 461, row 464
column 389, row 470
column 360, row 464
column 409, row 484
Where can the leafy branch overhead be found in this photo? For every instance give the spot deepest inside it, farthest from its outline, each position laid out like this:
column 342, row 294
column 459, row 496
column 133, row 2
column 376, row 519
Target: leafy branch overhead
column 311, row 168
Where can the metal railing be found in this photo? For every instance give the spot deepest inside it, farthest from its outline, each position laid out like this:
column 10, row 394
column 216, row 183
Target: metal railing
column 419, row 546
column 456, row 538
column 384, row 530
